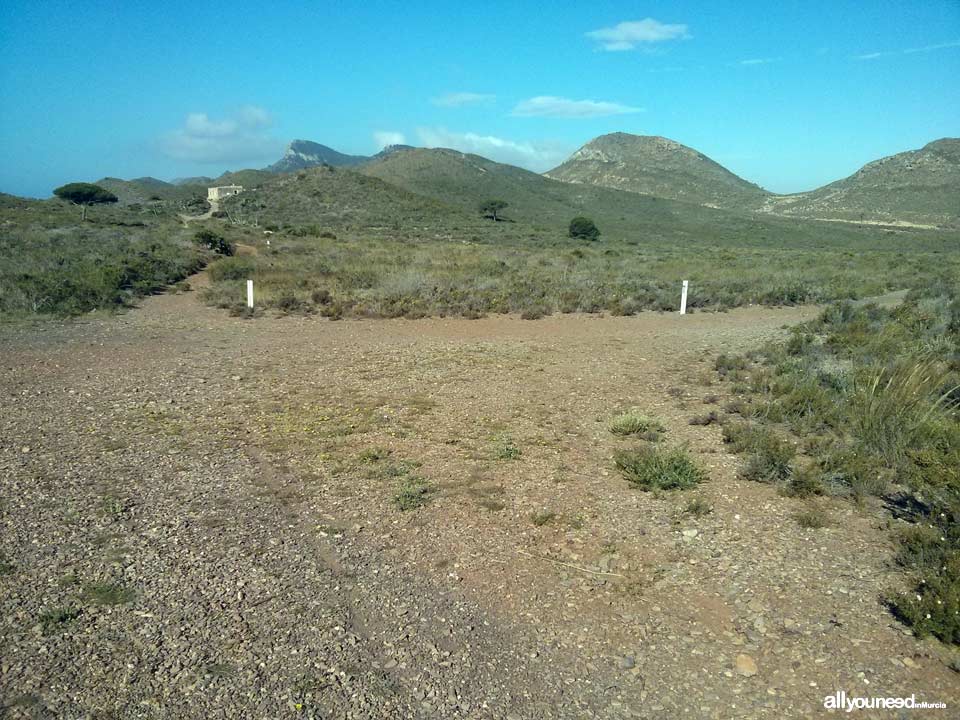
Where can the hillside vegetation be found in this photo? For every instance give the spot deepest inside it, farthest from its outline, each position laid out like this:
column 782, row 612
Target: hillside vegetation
column 333, row 198
column 871, row 398
column 147, row 189
column 660, row 167
column 52, row 263
column 548, row 205
column 349, row 244
column 920, row 186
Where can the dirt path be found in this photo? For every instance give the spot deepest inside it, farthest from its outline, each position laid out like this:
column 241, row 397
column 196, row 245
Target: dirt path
column 231, row 485
column 214, row 207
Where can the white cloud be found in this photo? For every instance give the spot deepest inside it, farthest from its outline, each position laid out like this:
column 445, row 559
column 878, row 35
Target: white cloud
column 908, row 51
column 928, row 48
column 384, row 138
column 558, row 107
column 537, row 156
column 627, row 35
column 242, row 137
column 759, row 61
column 872, row 56
column 459, row 99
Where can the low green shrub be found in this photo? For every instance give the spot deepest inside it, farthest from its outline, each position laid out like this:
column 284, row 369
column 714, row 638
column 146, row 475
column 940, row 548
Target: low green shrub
column 768, row 457
column 635, row 422
column 652, row 468
column 232, row 268
column 214, row 242
column 415, row 492
column 873, row 393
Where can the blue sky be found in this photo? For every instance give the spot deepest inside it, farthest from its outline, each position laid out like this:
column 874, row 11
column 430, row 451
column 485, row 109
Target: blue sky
column 790, row 95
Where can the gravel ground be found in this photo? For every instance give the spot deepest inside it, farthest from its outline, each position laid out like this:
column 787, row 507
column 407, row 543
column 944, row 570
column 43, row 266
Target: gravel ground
column 198, row 521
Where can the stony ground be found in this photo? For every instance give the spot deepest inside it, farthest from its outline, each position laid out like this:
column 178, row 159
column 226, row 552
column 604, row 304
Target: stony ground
column 198, row 520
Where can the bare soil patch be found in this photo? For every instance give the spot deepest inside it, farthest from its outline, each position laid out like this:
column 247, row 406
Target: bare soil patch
column 233, row 485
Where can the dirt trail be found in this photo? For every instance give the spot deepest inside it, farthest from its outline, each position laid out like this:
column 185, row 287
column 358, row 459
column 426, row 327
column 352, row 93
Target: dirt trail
column 230, row 484
column 214, row 207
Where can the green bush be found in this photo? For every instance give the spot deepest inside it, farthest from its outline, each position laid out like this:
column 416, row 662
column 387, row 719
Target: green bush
column 413, row 493
column 232, row 268
column 652, row 468
column 634, row 422
column 879, row 387
column 768, row 457
column 211, row 241
column 583, row 228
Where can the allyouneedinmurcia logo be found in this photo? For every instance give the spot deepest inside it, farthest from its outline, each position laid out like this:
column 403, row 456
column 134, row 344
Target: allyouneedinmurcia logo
column 841, row 701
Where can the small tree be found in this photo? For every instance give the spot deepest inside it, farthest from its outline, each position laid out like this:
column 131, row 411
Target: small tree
column 583, row 227
column 212, row 241
column 492, row 208
column 84, row 194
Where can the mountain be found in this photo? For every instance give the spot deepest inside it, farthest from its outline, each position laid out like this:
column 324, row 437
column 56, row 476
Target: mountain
column 468, row 180
column 541, row 204
column 145, row 189
column 919, row 187
column 389, row 150
column 302, row 154
column 657, row 166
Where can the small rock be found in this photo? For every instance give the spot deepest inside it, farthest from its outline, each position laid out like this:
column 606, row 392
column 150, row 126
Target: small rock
column 746, row 666
column 627, row 662
column 691, row 533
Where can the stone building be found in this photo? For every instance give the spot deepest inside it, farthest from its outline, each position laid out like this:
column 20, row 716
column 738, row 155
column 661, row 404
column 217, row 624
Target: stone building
column 223, row 191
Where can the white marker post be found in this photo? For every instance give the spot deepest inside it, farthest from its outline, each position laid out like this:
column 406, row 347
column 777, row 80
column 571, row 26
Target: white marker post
column 683, row 298
column 250, row 293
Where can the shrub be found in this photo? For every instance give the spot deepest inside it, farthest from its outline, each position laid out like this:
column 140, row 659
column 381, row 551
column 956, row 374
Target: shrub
column 730, row 365
column 651, row 468
column 287, row 302
column 768, row 457
column 812, row 518
column 232, row 268
column 321, row 297
column 52, row 621
column 933, row 553
column 805, row 483
column 217, row 243
column 414, row 493
column 583, row 228
column 698, row 507
column 634, row 422
column 537, row 312
column 890, row 406
column 505, row 448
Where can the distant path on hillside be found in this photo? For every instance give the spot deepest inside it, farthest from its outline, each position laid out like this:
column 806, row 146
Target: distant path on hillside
column 214, row 207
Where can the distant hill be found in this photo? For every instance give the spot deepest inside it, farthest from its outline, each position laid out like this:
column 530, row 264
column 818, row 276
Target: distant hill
column 329, row 197
column 302, row 154
column 919, row 186
column 247, row 178
column 543, row 204
column 389, row 150
column 468, row 180
column 145, row 189
column 660, row 167
column 196, row 180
